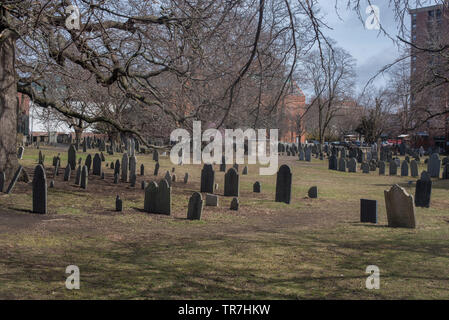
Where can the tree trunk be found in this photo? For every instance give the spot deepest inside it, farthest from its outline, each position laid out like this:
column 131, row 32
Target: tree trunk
column 8, row 106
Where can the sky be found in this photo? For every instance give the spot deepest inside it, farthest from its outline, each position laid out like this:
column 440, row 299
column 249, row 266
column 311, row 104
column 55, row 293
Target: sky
column 370, row 49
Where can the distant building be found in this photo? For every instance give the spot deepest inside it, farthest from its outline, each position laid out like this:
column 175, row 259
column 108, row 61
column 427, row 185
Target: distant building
column 291, row 112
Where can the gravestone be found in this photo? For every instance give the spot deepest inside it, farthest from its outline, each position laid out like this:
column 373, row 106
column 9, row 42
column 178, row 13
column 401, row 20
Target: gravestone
column 125, row 168
column 142, row 170
column 400, row 208
column 352, row 165
column 207, row 179
column 158, row 198
column 156, row 155
column 186, row 177
column 308, row 155
column 211, row 200
column 365, row 167
column 116, row 178
column 20, row 153
column 168, row 177
column 245, row 170
column 195, row 207
column 231, row 185
column 423, row 191
column 446, row 172
column 236, row 167
column 173, row 177
column 368, row 210
column 433, row 165
column 88, row 162
column 72, row 157
column 52, row 183
column 223, row 164
column 393, row 168
column 77, row 176
column 256, row 187
column 39, row 190
column 333, row 162
column 313, row 192
column 381, row 168
column 13, row 182
column 235, row 204
column 414, row 168
column 156, row 169
column 133, row 180
column 283, row 184
column 143, row 185
column 112, row 165
column 117, row 167
column 118, row 204
column 2, row 181
column 404, row 169
column 84, row 177
column 342, row 164
column 132, row 166
column 67, row 173
column 96, row 165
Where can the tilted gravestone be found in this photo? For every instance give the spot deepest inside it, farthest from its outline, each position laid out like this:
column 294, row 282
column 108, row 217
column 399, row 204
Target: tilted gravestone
column 67, row 173
column 433, row 165
column 352, row 165
column 13, row 182
column 211, row 200
column 84, row 177
column 158, row 198
column 423, row 191
column 2, row 181
column 88, row 162
column 368, row 210
column 393, row 168
column 207, row 179
column 414, row 168
column 39, row 190
column 381, row 168
column 313, row 192
column 125, row 168
column 404, row 169
column 231, row 185
column 235, row 204
column 96, row 165
column 256, row 187
column 400, row 208
column 72, row 157
column 195, row 207
column 283, row 184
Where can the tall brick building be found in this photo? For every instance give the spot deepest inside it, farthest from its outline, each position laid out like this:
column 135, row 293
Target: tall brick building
column 293, row 107
column 430, row 29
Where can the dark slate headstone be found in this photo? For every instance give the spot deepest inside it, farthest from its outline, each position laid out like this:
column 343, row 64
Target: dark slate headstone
column 88, row 162
column 381, row 168
column 231, row 186
column 117, row 167
column 434, row 165
column 211, row 200
column 116, row 178
column 423, row 191
column 39, row 190
column 142, row 170
column 52, row 183
column 352, row 165
column 156, row 155
column 245, row 170
column 118, row 204
column 156, row 169
column 393, row 168
column 84, row 177
column 256, row 187
column 143, row 185
column 186, row 177
column 236, row 167
column 96, row 165
column 368, row 210
column 158, row 198
column 313, row 192
column 333, row 162
column 13, row 182
column 132, row 166
column 112, row 165
column 195, row 207
column 414, row 168
column 77, row 176
column 67, row 173
column 223, row 164
column 207, row 179
column 365, row 167
column 404, row 169
column 125, row 168
column 283, row 184
column 20, row 152
column 133, row 180
column 235, row 204
column 342, row 164
column 72, row 157
column 2, row 181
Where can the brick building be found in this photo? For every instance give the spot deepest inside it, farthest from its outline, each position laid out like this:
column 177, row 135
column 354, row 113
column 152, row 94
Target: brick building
column 293, row 107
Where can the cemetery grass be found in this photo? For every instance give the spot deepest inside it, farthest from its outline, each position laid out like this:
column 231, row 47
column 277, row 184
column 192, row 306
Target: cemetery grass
column 310, row 249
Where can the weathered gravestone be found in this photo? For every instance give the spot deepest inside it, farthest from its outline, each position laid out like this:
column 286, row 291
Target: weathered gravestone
column 423, row 191
column 77, row 176
column 365, row 167
column 84, row 177
column 96, row 165
column 173, row 177
column 231, row 185
column 195, row 207
column 245, row 170
column 67, row 173
column 118, row 204
column 20, row 153
column 404, row 169
column 39, row 190
column 88, row 162
column 112, row 165
column 211, row 200
column 117, row 167
column 125, row 168
column 308, row 155
column 342, row 164
column 352, row 165
column 142, row 170
column 393, row 168
column 333, row 162
column 2, row 181
column 116, row 178
column 433, row 165
column 414, row 168
column 13, row 182
column 72, row 157
column 400, row 208
column 223, row 164
column 283, row 184
column 207, row 179
column 313, row 192
column 186, row 177
column 381, row 168
column 156, row 155
column 156, row 169
column 168, row 178
column 368, row 210
column 132, row 166
column 158, row 198
column 133, row 180
column 256, row 187
column 235, row 204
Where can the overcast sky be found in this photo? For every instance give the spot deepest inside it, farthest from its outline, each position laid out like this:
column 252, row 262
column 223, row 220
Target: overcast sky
column 371, row 50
